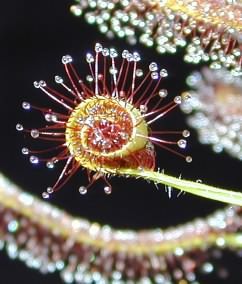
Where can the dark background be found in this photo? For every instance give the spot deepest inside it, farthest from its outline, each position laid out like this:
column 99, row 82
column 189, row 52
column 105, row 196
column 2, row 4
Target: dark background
column 34, row 36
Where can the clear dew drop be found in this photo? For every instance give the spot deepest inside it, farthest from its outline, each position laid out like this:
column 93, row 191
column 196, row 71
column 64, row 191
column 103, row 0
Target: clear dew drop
column 139, row 73
column 207, row 268
column 25, row 151
column 113, row 53
column 19, row 127
column 153, row 66
column 34, row 133
column 188, row 159
column 89, row 58
column 89, row 78
column 13, row 226
column 199, row 181
column 185, row 133
column 113, row 70
column 82, row 190
column 154, row 75
column 66, row 59
column 163, row 73
column 107, row 189
column 50, row 190
column 163, row 93
column 26, row 105
column 98, row 47
column 59, row 79
column 48, row 117
column 34, row 160
column 50, row 165
column 45, row 195
column 105, row 52
column 125, row 53
column 136, row 56
column 42, row 83
column 130, row 57
column 177, row 100
column 182, row 143
column 193, row 79
column 36, row 84
column 143, row 108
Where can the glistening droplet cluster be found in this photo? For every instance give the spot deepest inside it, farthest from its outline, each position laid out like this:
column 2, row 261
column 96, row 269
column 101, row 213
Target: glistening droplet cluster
column 210, row 30
column 215, row 110
column 50, row 240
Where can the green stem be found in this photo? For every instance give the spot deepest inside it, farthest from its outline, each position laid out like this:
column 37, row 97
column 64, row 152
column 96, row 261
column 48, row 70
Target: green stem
column 196, row 188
